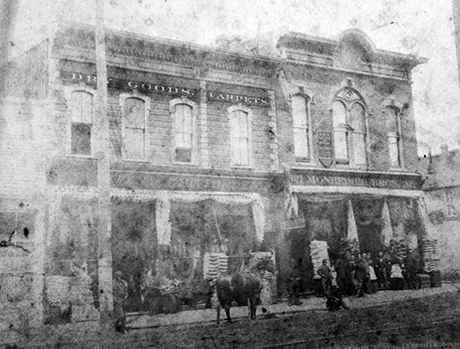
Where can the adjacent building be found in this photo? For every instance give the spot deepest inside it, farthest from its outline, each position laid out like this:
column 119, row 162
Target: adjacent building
column 441, row 187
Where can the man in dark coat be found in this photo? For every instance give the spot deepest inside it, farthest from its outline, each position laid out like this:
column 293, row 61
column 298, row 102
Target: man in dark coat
column 412, row 266
column 362, row 276
column 380, row 264
column 326, row 277
column 120, row 293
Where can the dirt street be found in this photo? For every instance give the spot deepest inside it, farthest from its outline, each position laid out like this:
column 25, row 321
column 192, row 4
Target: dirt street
column 431, row 321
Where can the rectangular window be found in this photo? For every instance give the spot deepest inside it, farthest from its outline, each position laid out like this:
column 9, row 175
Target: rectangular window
column 339, row 119
column 239, row 129
column 183, row 138
column 450, row 204
column 359, row 148
column 82, row 122
column 134, row 136
column 341, row 147
column 300, row 122
column 394, row 146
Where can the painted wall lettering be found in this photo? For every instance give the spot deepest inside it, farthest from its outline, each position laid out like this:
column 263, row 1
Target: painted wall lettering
column 131, row 84
column 341, row 180
column 232, row 98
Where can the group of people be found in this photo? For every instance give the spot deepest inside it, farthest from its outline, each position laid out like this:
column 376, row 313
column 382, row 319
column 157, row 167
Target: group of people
column 357, row 276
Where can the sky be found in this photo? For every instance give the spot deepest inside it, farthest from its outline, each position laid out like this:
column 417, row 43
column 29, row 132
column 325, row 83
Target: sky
column 423, row 28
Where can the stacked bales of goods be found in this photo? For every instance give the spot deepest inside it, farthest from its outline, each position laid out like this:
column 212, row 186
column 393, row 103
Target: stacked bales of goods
column 398, row 249
column 349, row 247
column 214, row 264
column 318, row 252
column 430, row 255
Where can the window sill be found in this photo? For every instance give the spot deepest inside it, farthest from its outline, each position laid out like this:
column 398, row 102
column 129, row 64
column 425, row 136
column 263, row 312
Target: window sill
column 83, row 157
column 397, row 169
column 234, row 167
column 190, row 164
column 352, row 167
column 305, row 164
column 136, row 160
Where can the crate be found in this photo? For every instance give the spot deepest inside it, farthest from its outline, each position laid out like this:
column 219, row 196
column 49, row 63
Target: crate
column 435, row 279
column 424, row 280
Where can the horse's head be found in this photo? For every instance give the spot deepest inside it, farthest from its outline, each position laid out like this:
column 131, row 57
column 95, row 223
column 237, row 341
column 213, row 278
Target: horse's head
column 266, row 263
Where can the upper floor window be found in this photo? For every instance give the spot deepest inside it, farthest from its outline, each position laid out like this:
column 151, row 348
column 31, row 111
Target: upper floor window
column 350, row 129
column 394, row 136
column 184, row 114
column 301, row 124
column 135, row 134
column 240, row 119
column 81, row 128
column 450, row 204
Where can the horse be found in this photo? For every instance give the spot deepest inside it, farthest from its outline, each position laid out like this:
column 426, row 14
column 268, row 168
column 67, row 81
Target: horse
column 241, row 287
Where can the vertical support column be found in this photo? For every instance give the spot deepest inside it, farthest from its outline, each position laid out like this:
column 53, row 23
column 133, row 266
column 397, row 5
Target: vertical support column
column 163, row 206
column 203, row 117
column 38, row 268
column 273, row 124
column 103, row 174
column 456, row 16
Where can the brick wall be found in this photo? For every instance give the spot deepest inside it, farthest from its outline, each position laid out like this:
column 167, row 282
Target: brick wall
column 323, row 84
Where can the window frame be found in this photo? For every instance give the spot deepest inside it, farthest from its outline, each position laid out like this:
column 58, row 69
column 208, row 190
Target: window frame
column 450, row 207
column 172, row 109
column 348, row 129
column 147, row 106
column 308, row 128
column 398, row 137
column 249, row 112
column 68, row 92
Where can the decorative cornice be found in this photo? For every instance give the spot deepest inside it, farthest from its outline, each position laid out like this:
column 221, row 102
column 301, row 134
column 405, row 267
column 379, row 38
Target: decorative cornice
column 121, row 44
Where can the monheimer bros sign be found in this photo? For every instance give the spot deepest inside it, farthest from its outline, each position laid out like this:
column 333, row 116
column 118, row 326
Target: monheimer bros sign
column 341, row 179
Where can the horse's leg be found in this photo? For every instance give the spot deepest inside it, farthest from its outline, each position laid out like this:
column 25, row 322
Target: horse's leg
column 253, row 306
column 227, row 311
column 218, row 314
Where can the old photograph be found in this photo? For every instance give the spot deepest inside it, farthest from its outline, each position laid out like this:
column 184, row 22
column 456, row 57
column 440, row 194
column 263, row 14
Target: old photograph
column 261, row 174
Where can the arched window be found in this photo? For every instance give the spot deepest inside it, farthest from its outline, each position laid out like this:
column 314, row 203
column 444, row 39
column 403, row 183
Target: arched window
column 184, row 114
column 394, row 136
column 81, row 106
column 134, row 129
column 301, row 124
column 350, row 130
column 240, row 136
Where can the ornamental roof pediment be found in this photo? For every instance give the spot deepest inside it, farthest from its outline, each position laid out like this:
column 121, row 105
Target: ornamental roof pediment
column 352, row 50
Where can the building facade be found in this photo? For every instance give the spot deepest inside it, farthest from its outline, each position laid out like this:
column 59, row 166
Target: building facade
column 215, row 158
column 442, row 194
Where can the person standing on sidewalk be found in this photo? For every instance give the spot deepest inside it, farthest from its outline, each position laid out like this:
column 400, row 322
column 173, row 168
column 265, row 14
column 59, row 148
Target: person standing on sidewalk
column 362, row 276
column 120, row 293
column 380, row 265
column 326, row 277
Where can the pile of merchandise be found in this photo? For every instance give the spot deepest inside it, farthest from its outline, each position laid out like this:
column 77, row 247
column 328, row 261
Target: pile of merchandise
column 430, row 255
column 350, row 247
column 398, row 249
column 318, row 252
column 213, row 265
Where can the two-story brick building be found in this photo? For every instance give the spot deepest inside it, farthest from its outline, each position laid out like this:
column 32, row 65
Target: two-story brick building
column 211, row 153
column 345, row 113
